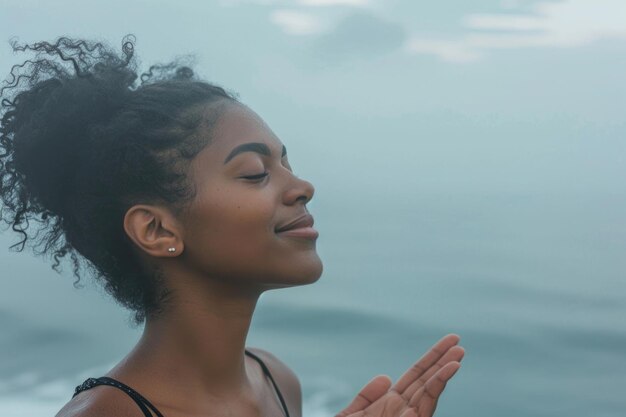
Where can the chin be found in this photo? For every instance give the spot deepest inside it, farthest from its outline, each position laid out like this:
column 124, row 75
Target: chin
column 310, row 279
column 305, row 275
column 312, row 273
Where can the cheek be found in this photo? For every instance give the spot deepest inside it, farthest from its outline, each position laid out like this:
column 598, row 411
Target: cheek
column 234, row 238
column 245, row 229
column 231, row 233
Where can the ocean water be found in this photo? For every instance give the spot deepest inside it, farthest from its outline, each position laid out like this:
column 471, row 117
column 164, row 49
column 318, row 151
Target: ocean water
column 533, row 283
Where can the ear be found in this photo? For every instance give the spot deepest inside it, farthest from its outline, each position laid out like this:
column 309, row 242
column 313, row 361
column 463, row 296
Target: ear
column 154, row 230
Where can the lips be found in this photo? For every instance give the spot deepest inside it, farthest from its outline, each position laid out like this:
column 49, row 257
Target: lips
column 305, row 220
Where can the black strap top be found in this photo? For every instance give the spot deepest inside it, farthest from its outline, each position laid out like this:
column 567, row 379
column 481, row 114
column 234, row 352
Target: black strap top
column 146, row 407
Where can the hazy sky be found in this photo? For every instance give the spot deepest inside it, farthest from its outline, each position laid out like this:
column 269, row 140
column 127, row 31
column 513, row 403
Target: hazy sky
column 477, row 96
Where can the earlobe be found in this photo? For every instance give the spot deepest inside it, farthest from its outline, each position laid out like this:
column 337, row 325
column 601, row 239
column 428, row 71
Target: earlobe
column 152, row 230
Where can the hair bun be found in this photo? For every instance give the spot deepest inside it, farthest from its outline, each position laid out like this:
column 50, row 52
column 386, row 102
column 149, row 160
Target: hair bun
column 49, row 124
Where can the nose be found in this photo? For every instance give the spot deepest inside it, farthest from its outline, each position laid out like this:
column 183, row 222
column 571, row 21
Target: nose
column 299, row 190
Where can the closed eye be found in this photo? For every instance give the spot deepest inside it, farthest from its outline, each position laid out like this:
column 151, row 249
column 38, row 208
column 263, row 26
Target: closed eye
column 256, row 177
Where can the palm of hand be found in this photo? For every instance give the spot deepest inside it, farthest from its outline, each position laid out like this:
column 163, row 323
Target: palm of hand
column 417, row 391
column 391, row 404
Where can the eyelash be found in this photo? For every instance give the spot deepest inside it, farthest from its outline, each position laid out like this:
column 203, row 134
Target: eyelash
column 257, row 177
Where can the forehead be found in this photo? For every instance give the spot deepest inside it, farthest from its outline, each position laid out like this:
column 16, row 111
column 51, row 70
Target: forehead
column 238, row 124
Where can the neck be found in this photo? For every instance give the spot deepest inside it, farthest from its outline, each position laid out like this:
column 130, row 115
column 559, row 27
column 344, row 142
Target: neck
column 196, row 348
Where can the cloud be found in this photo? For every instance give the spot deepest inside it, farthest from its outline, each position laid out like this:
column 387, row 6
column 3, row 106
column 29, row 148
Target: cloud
column 258, row 2
column 354, row 3
column 290, row 3
column 361, row 34
column 304, row 17
column 296, row 23
column 567, row 23
column 451, row 51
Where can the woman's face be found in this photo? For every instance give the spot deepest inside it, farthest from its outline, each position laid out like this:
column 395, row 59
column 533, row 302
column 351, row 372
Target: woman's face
column 229, row 231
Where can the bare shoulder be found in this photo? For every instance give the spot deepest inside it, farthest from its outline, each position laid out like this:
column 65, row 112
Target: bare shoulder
column 101, row 401
column 286, row 379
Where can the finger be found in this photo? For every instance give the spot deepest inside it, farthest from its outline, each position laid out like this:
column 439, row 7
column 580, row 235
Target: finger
column 454, row 354
column 409, row 412
column 372, row 391
column 426, row 408
column 425, row 362
column 426, row 397
column 433, row 407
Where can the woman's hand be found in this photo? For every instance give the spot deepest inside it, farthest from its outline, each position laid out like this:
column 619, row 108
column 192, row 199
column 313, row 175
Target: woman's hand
column 417, row 391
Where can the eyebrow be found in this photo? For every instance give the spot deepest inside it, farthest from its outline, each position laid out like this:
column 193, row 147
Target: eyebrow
column 257, row 147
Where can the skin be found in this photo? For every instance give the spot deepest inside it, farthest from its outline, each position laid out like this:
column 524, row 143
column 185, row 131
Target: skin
column 190, row 360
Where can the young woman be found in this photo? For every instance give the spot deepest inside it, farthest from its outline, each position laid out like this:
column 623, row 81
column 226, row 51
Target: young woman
column 181, row 200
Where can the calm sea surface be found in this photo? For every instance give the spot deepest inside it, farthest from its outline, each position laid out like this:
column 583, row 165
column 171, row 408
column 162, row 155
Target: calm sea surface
column 534, row 284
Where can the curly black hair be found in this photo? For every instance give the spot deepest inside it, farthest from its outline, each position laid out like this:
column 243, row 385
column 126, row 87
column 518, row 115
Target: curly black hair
column 83, row 138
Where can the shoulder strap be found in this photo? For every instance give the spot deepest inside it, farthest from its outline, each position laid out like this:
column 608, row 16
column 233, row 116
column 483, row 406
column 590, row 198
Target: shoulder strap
column 138, row 398
column 144, row 404
column 266, row 371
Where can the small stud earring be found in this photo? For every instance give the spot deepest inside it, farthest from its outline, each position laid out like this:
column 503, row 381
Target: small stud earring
column 172, row 249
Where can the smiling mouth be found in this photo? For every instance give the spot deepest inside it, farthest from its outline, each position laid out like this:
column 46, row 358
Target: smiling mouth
column 304, row 221
column 301, row 227
column 303, row 232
